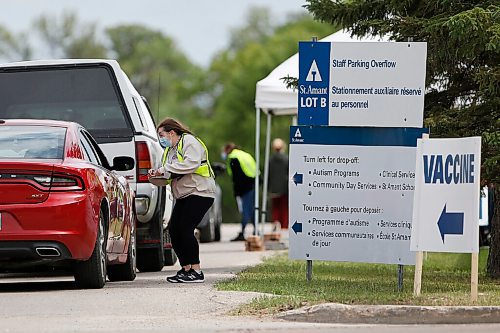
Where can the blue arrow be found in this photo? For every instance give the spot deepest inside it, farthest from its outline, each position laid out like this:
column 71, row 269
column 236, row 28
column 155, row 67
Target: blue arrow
column 450, row 223
column 297, row 178
column 297, row 227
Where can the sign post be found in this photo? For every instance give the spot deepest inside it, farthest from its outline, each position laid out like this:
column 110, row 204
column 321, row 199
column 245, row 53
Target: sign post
column 417, row 281
column 474, row 276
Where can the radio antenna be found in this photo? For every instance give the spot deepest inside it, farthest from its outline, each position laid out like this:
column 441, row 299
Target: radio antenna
column 158, row 111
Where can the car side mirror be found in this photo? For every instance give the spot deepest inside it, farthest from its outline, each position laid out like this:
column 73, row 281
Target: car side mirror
column 123, row 163
column 218, row 168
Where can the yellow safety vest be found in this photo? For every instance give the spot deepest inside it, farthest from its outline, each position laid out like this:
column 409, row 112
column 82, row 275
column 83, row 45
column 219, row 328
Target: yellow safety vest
column 204, row 170
column 247, row 163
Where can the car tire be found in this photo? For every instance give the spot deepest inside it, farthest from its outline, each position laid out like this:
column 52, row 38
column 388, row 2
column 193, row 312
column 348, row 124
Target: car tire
column 126, row 271
column 207, row 233
column 170, row 257
column 169, row 253
column 217, row 232
column 91, row 273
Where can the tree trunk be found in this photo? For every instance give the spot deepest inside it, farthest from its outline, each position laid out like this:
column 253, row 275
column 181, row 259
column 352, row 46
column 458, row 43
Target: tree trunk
column 494, row 255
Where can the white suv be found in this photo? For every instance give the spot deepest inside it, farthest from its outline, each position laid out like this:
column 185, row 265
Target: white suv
column 98, row 95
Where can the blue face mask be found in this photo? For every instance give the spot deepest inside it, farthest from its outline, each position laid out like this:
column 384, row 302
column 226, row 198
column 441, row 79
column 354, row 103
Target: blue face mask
column 164, row 142
column 223, row 155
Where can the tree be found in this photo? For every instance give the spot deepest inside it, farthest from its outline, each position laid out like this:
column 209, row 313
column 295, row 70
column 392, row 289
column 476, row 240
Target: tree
column 256, row 30
column 463, row 69
column 14, row 47
column 68, row 38
column 232, row 79
column 159, row 70
column 234, row 73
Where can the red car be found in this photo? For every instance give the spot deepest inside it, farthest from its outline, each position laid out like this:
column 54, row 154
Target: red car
column 61, row 206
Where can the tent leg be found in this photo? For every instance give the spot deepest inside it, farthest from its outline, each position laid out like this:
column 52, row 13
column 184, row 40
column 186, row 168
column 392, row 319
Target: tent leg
column 257, row 176
column 266, row 172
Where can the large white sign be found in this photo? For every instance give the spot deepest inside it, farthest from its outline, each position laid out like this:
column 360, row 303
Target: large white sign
column 350, row 202
column 362, row 84
column 446, row 206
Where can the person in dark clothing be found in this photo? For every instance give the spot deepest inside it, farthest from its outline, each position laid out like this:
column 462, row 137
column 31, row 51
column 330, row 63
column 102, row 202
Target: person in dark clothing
column 242, row 168
column 278, row 183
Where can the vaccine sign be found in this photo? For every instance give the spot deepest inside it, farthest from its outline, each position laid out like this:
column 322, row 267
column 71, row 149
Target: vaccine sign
column 351, row 193
column 378, row 84
column 446, row 202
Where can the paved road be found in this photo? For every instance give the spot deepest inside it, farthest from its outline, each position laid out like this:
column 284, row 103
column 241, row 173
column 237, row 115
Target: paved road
column 41, row 304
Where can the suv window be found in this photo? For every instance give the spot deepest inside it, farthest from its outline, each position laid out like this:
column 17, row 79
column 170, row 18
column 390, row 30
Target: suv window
column 85, row 94
column 139, row 114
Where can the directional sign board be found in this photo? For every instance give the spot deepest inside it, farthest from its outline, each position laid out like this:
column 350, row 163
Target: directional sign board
column 446, row 206
column 351, row 193
column 361, row 84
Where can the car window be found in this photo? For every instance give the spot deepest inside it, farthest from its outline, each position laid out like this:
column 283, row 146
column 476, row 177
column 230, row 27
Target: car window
column 87, row 95
column 86, row 155
column 97, row 151
column 32, row 142
column 90, row 154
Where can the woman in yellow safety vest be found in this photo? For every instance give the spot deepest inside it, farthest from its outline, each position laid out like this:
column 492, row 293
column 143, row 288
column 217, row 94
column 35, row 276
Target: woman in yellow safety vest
column 186, row 167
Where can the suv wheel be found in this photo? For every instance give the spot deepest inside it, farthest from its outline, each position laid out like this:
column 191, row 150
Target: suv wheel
column 151, row 259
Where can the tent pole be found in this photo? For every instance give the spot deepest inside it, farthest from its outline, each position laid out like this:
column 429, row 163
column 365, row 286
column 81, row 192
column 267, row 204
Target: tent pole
column 266, row 171
column 257, row 176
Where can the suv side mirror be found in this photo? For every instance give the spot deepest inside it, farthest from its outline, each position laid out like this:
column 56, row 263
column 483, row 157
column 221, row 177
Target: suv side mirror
column 123, row 163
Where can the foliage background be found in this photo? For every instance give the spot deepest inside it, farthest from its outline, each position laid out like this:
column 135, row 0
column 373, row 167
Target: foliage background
column 217, row 102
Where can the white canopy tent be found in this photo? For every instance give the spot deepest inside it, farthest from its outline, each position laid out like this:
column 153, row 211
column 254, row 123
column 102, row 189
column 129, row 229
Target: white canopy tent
column 273, row 98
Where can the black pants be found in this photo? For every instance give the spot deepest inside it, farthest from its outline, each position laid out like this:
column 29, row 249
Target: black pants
column 186, row 215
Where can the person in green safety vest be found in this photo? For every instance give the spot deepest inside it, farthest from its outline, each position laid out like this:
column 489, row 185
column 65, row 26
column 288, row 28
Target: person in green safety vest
column 242, row 169
column 186, row 168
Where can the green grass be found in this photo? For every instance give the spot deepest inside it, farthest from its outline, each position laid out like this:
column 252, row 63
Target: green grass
column 445, row 281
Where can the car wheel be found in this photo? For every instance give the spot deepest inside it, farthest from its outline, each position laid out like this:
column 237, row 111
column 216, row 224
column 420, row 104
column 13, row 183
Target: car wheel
column 169, row 253
column 207, row 233
column 127, row 271
column 217, row 233
column 91, row 273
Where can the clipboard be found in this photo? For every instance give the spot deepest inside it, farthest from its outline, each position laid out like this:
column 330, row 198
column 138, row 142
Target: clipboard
column 159, row 180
